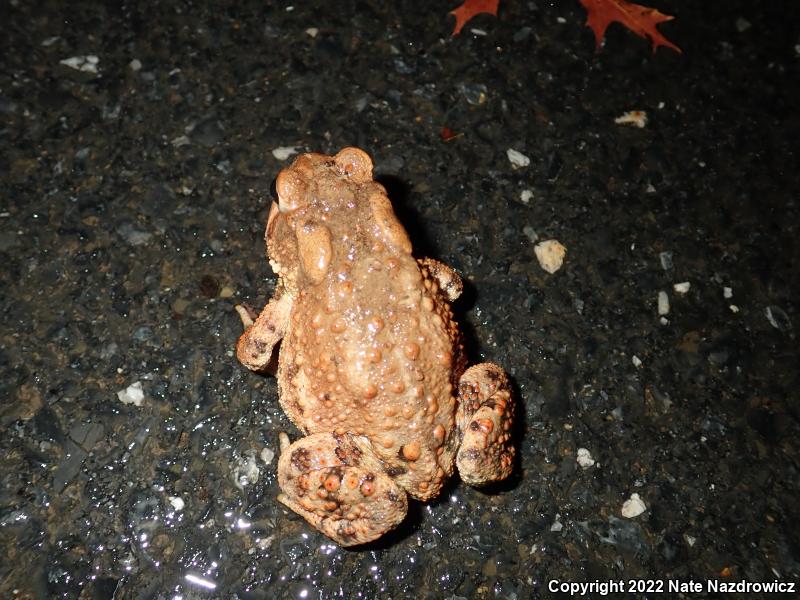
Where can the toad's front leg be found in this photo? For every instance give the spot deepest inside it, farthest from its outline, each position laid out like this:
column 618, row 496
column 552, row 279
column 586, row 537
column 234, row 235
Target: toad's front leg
column 338, row 485
column 485, row 415
column 255, row 345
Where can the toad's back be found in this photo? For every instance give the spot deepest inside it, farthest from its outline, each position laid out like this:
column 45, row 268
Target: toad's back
column 372, row 348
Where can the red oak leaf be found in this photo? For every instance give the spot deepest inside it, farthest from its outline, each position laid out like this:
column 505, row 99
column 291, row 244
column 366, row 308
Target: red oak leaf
column 447, row 134
column 641, row 20
column 470, row 8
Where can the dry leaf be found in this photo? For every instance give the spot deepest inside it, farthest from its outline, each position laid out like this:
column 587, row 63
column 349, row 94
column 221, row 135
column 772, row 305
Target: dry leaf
column 447, row 134
column 642, row 20
column 470, row 8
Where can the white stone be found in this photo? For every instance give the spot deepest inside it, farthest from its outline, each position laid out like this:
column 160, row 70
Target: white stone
column 633, row 506
column 518, row 159
column 86, row 64
column 177, row 503
column 267, row 454
column 550, row 254
column 557, row 525
column 525, row 196
column 284, row 152
column 584, row 458
column 663, row 303
column 133, row 394
column 727, row 293
column 682, row 287
column 637, row 362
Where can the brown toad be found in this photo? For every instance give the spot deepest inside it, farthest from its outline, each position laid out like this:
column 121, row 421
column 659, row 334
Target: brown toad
column 371, row 365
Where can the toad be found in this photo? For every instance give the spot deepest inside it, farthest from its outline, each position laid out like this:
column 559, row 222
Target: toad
column 371, row 366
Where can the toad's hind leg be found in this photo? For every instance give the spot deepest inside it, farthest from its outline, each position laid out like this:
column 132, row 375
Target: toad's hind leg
column 336, row 483
column 485, row 415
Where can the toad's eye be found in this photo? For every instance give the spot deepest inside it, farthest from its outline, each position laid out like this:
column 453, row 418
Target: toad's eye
column 290, row 188
column 354, row 163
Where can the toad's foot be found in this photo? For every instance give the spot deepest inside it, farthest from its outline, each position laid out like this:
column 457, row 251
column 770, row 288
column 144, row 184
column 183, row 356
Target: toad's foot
column 255, row 345
column 336, row 483
column 485, row 414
